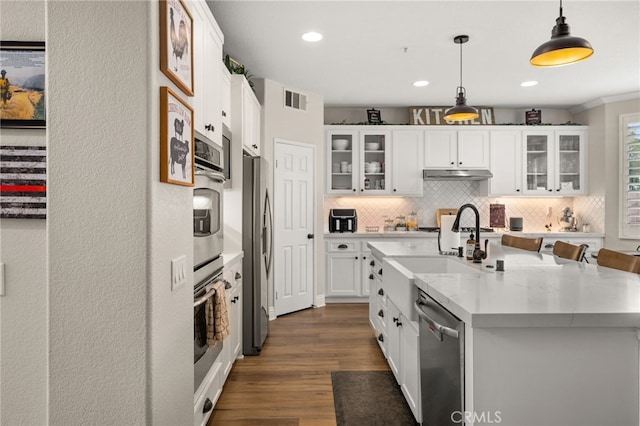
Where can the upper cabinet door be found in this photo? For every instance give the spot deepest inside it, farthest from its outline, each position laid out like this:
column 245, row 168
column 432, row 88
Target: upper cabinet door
column 406, row 164
column 440, row 149
column 570, row 162
column 506, row 163
column 374, row 155
column 473, row 149
column 342, row 162
column 538, row 163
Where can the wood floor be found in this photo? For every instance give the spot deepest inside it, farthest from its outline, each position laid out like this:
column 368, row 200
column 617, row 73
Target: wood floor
column 289, row 383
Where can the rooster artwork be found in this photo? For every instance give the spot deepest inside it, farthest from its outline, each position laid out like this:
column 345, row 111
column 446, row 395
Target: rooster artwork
column 179, row 40
column 176, row 38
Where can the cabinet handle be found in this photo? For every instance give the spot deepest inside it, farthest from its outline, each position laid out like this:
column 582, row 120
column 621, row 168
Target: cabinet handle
column 381, row 292
column 235, row 299
column 354, row 190
column 381, row 313
column 460, row 162
column 224, row 114
column 395, row 319
column 238, row 276
column 254, row 146
column 558, row 189
column 362, row 190
column 356, row 257
column 370, row 276
column 551, row 190
column 398, row 324
column 394, row 190
column 364, row 257
column 452, row 163
column 517, row 190
column 208, row 406
column 380, row 271
column 380, row 337
column 372, row 263
column 209, row 127
column 343, row 246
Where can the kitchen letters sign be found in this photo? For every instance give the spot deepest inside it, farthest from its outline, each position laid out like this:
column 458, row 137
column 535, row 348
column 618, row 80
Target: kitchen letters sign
column 433, row 115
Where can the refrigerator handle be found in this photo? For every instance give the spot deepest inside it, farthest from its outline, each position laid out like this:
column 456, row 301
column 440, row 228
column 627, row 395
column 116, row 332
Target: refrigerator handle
column 268, row 225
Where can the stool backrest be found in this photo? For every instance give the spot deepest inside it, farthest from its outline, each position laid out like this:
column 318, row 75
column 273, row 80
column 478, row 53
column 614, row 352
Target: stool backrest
column 531, row 244
column 568, row 250
column 615, row 259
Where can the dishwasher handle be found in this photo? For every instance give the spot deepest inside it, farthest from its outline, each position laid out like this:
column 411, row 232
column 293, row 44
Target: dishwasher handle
column 436, row 328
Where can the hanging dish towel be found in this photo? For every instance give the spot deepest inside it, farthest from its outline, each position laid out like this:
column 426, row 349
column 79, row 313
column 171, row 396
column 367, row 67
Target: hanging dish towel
column 217, row 315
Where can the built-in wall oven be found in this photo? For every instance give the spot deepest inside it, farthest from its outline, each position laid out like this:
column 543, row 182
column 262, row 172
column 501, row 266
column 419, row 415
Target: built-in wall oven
column 208, row 203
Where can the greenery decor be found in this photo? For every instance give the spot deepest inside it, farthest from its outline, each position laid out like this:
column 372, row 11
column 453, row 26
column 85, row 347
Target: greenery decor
column 236, row 67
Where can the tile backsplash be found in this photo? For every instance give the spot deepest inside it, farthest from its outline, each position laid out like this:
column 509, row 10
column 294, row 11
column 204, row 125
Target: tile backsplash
column 453, row 194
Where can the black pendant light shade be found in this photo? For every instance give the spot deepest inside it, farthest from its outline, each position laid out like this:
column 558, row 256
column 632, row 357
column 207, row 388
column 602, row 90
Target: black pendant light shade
column 563, row 48
column 462, row 111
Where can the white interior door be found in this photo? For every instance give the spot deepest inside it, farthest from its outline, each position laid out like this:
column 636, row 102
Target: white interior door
column 293, row 199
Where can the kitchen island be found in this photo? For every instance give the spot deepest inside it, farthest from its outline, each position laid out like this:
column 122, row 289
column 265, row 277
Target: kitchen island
column 547, row 342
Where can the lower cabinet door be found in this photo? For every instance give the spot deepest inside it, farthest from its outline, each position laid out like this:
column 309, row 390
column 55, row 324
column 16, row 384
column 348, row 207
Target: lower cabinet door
column 204, row 403
column 343, row 274
column 394, row 323
column 410, row 371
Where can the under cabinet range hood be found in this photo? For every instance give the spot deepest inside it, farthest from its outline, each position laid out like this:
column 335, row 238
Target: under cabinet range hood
column 456, row 174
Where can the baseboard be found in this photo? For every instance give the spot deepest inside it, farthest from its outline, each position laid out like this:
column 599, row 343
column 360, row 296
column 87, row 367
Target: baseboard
column 347, row 299
column 320, row 302
column 272, row 313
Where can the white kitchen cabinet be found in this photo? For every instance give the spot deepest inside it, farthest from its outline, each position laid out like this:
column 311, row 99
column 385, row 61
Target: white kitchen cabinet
column 225, row 95
column 377, row 303
column 207, row 46
column 232, row 344
column 456, row 149
column 246, row 113
column 205, row 401
column 554, row 162
column 506, row 164
column 357, row 160
column 393, row 322
column 348, row 275
column 410, row 365
column 407, row 162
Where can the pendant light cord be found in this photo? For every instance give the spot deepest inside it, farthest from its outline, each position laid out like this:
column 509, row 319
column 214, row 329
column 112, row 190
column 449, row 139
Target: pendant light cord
column 461, row 64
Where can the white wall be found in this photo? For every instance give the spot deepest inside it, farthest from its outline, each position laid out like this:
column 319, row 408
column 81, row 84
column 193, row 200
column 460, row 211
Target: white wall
column 23, row 244
column 102, row 339
column 296, row 126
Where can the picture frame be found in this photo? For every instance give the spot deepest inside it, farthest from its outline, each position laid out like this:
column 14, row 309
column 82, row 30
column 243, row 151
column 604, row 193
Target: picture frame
column 22, row 85
column 176, row 44
column 374, row 116
column 177, row 165
column 533, row 117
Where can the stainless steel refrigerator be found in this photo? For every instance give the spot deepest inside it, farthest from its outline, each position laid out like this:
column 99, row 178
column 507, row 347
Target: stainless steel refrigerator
column 257, row 244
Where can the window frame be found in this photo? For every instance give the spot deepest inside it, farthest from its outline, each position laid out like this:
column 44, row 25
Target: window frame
column 625, row 230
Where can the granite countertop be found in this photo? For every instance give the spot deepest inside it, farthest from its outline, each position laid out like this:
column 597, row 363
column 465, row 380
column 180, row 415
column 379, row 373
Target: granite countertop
column 535, row 290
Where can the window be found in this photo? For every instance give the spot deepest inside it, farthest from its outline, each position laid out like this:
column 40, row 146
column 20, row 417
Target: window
column 630, row 171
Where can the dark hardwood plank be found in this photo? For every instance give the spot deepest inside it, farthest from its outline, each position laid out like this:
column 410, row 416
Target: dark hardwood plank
column 289, row 383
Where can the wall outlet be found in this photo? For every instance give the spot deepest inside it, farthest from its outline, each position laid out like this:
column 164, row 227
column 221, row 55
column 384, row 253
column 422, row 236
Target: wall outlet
column 549, row 211
column 178, row 272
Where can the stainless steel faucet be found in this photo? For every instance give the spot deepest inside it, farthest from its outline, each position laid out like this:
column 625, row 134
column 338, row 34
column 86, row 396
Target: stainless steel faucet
column 478, row 253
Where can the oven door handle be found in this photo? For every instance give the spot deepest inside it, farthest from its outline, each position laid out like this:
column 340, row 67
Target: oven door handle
column 199, row 301
column 216, row 176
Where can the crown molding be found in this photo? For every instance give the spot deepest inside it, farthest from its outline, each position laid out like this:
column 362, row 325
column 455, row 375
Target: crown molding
column 602, row 101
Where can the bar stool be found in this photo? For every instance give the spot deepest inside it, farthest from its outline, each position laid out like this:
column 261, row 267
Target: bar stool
column 615, row 259
column 568, row 250
column 531, row 244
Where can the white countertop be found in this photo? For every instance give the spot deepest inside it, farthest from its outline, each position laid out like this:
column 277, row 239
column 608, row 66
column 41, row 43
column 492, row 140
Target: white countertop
column 535, row 290
column 483, row 235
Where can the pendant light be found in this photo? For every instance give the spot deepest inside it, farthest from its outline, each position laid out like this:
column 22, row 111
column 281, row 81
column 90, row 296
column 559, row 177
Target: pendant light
column 563, row 48
column 461, row 112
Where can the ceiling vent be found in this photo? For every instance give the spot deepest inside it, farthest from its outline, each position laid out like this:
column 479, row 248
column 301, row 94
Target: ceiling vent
column 295, row 100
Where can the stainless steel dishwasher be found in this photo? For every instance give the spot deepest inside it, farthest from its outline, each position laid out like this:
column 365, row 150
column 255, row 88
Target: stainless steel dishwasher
column 441, row 363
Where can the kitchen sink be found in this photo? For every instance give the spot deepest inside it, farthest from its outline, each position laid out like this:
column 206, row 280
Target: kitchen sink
column 398, row 278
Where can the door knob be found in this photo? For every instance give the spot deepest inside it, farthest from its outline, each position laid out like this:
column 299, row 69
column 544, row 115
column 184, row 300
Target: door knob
column 310, row 236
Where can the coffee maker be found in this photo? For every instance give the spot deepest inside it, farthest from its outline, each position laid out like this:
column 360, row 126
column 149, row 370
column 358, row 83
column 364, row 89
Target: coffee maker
column 343, row 220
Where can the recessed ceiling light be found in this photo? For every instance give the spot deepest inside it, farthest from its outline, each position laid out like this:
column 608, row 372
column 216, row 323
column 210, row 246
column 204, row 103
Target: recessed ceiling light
column 528, row 83
column 312, row 36
column 420, row 83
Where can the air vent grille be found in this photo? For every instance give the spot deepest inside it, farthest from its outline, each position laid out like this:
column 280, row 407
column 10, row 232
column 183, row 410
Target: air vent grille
column 295, row 100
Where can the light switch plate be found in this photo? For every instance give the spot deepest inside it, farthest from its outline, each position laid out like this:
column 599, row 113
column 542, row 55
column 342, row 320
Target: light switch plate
column 178, row 272
column 2, row 285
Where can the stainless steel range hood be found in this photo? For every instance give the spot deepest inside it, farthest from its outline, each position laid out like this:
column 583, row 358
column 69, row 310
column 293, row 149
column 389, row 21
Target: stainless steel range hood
column 456, row 174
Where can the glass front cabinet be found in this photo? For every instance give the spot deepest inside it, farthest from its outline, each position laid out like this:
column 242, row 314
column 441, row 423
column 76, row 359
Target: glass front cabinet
column 358, row 162
column 554, row 163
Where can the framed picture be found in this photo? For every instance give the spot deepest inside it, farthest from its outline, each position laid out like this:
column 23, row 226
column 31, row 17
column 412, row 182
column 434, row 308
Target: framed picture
column 176, row 44
column 22, row 84
column 176, row 139
column 373, row 116
column 533, row 117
